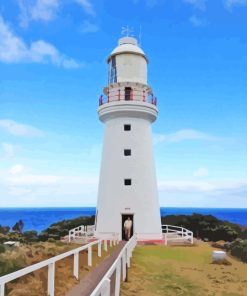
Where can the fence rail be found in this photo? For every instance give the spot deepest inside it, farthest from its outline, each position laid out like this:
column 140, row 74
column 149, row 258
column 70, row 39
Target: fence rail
column 180, row 233
column 50, row 264
column 132, row 96
column 120, row 266
column 81, row 231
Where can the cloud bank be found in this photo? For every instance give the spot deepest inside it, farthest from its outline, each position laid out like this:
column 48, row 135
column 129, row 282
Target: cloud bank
column 14, row 50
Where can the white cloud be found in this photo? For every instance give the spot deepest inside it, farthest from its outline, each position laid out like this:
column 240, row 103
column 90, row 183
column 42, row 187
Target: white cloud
column 184, row 135
column 18, row 186
column 198, row 22
column 87, row 6
column 88, row 27
column 16, row 169
column 47, row 10
column 44, row 10
column 7, row 151
column 14, row 50
column 231, row 3
column 201, row 172
column 31, row 179
column 228, row 193
column 215, row 187
column 19, row 129
column 199, row 4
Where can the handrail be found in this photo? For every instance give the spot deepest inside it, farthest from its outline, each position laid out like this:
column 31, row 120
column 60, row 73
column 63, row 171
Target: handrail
column 132, row 96
column 182, row 233
column 82, row 230
column 50, row 263
column 120, row 265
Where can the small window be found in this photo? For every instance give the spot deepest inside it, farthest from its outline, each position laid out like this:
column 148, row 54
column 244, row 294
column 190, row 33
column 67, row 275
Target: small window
column 127, row 127
column 127, row 182
column 127, row 152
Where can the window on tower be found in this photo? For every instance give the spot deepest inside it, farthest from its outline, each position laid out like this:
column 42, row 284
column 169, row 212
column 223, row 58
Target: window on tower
column 112, row 71
column 127, row 182
column 127, row 127
column 127, row 152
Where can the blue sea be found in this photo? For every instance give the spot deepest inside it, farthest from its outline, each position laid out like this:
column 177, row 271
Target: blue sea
column 40, row 218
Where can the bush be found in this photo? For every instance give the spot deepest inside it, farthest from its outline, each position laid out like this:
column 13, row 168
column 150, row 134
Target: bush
column 8, row 266
column 238, row 248
column 2, row 249
column 30, row 236
column 205, row 226
column 60, row 229
column 4, row 229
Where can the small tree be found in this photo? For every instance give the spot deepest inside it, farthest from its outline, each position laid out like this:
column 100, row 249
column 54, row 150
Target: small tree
column 18, row 227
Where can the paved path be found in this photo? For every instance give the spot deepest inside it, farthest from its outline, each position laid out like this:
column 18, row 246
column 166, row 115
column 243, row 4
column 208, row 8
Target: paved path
column 91, row 280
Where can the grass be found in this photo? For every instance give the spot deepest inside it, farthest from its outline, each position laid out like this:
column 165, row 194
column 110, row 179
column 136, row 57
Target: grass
column 183, row 271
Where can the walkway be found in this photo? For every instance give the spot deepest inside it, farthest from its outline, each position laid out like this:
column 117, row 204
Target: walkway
column 90, row 281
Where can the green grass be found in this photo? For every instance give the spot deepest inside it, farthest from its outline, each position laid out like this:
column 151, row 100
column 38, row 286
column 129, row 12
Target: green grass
column 182, row 271
column 162, row 278
column 182, row 254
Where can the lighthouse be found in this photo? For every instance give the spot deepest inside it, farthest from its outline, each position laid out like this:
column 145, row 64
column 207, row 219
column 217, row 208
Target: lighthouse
column 127, row 183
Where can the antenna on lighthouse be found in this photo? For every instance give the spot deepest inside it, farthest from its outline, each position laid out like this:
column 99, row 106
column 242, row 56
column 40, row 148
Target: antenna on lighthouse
column 127, row 31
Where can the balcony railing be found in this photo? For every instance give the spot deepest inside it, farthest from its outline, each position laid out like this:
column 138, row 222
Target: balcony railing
column 128, row 95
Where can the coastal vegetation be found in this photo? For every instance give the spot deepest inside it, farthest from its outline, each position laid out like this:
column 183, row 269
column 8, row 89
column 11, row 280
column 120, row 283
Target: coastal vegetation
column 35, row 284
column 207, row 227
column 204, row 227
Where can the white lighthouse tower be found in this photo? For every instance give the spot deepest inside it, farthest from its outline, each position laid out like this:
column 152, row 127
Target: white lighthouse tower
column 127, row 185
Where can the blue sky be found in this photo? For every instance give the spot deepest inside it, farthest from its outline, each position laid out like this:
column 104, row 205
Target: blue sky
column 52, row 72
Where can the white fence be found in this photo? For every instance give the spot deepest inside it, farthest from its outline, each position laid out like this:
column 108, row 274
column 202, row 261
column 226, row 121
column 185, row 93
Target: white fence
column 119, row 266
column 81, row 231
column 176, row 233
column 50, row 264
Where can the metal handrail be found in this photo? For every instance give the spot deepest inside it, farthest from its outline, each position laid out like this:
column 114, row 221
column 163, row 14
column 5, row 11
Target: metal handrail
column 132, row 97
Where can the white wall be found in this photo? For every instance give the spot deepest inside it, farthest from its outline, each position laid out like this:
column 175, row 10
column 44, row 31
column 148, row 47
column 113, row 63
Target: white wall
column 141, row 198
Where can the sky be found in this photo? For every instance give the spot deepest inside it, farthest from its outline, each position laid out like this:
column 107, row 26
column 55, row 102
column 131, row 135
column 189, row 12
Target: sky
column 53, row 69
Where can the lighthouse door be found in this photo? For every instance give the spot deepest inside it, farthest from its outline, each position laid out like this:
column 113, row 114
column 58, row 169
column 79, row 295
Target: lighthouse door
column 124, row 230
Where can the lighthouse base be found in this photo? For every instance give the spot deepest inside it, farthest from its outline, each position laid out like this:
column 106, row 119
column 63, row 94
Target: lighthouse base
column 143, row 237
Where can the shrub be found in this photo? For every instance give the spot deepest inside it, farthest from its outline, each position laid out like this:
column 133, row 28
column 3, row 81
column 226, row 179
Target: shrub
column 4, row 229
column 205, row 226
column 60, row 229
column 30, row 236
column 8, row 266
column 238, row 248
column 2, row 249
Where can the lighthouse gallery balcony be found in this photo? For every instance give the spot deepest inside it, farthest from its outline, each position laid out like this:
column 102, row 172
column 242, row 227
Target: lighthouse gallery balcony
column 128, row 101
column 134, row 103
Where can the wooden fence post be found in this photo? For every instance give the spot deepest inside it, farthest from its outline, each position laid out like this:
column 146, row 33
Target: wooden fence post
column 76, row 265
column 118, row 278
column 106, row 289
column 2, row 290
column 51, row 279
column 89, row 257
column 105, row 245
column 99, row 249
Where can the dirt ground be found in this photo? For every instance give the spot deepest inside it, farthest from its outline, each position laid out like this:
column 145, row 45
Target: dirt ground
column 183, row 271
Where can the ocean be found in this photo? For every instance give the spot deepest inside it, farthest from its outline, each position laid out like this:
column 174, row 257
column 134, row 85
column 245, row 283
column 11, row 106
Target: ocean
column 40, row 218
